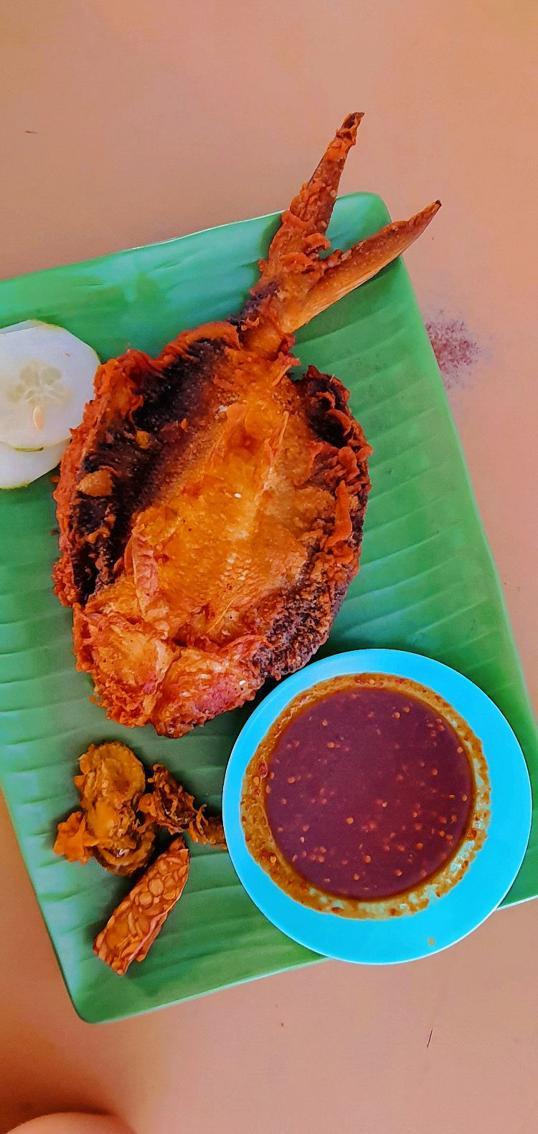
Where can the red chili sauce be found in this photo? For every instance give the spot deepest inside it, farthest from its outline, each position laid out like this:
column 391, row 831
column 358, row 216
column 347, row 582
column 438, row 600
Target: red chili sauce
column 368, row 793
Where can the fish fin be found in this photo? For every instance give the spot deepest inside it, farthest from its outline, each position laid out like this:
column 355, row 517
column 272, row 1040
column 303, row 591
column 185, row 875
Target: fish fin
column 344, row 271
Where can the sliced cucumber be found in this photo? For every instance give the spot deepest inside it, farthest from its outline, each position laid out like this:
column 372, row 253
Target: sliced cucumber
column 46, row 378
column 19, row 469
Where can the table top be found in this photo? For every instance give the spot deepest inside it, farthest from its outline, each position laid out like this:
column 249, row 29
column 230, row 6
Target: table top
column 126, row 123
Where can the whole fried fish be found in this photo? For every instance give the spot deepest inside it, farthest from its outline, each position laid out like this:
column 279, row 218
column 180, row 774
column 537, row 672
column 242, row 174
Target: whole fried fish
column 211, row 508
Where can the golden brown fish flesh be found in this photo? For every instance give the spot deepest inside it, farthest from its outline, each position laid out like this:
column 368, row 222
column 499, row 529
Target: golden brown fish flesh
column 211, row 508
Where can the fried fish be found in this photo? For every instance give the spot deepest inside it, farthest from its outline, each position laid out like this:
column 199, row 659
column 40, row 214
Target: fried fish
column 210, row 507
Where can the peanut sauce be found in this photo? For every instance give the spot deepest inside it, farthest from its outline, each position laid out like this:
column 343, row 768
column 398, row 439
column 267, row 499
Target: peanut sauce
column 367, row 789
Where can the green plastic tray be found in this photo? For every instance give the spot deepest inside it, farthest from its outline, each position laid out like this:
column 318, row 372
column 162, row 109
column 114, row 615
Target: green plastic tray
column 427, row 583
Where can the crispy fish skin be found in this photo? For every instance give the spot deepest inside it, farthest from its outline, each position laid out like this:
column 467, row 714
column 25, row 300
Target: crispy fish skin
column 210, row 508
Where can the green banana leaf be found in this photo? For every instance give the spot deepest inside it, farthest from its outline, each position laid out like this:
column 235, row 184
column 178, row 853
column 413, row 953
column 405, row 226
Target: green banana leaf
column 427, row 583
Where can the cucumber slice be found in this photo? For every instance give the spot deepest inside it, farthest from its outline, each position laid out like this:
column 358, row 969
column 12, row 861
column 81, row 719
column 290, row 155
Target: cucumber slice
column 19, row 469
column 46, row 378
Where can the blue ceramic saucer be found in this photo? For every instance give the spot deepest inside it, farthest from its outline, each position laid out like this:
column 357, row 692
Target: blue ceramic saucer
column 446, row 919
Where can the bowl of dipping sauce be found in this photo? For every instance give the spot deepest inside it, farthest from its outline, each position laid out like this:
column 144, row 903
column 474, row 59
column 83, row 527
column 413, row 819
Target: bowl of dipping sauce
column 377, row 806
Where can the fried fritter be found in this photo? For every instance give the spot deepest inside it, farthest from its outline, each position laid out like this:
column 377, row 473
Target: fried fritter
column 107, row 827
column 207, row 830
column 171, row 806
column 168, row 803
column 133, row 926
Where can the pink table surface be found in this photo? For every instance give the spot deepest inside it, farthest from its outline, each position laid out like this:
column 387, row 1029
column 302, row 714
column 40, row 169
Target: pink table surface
column 126, row 121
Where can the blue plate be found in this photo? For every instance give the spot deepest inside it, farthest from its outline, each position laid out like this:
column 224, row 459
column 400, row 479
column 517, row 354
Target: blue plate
column 446, row 919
